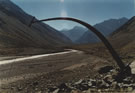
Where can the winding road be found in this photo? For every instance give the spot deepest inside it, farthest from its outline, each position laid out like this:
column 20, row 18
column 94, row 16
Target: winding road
column 17, row 69
column 35, row 57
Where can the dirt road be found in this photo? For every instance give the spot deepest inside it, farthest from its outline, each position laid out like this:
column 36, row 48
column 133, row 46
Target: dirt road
column 4, row 60
column 64, row 62
column 28, row 66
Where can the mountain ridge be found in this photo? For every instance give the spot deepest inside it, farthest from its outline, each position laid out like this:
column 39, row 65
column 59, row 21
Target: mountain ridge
column 74, row 33
column 80, row 35
column 124, row 36
column 14, row 30
column 106, row 28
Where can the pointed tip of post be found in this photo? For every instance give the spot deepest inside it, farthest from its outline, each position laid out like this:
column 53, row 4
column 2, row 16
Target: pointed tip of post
column 32, row 21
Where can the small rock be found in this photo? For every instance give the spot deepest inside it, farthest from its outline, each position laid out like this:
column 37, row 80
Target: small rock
column 39, row 92
column 64, row 88
column 88, row 91
column 99, row 90
column 36, row 89
column 126, row 85
column 78, row 82
column 108, row 79
column 52, row 89
column 117, row 86
column 99, row 82
column 105, row 69
column 20, row 89
column 104, row 86
column 130, row 89
column 74, row 91
column 56, row 91
column 12, row 88
column 133, row 85
column 93, row 81
column 89, row 84
column 127, row 80
column 35, row 83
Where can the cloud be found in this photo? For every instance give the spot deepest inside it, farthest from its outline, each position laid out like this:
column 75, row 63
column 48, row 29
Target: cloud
column 62, row 1
column 63, row 13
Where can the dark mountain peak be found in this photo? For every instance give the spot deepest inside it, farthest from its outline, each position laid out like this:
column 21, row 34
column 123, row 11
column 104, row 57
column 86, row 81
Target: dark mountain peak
column 123, row 18
column 4, row 0
column 124, row 28
column 11, row 9
column 113, row 20
column 74, row 33
column 132, row 19
column 7, row 3
column 125, row 35
column 16, row 33
column 106, row 27
column 78, row 27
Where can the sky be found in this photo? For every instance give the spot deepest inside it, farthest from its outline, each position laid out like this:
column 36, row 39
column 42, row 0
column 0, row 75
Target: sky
column 91, row 11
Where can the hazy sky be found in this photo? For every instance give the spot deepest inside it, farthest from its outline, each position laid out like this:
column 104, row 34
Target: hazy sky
column 91, row 11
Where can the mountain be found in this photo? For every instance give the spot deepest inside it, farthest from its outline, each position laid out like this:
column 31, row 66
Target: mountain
column 87, row 37
column 106, row 27
column 74, row 33
column 15, row 33
column 124, row 37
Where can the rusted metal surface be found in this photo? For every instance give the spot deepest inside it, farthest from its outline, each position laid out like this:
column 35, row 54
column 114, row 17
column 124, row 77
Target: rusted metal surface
column 124, row 69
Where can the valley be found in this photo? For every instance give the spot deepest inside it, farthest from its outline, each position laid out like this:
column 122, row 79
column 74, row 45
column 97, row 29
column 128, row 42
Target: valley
column 42, row 59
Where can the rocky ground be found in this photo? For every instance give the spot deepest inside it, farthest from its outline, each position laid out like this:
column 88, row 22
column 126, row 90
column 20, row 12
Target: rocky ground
column 51, row 70
column 101, row 83
column 57, row 82
column 68, row 73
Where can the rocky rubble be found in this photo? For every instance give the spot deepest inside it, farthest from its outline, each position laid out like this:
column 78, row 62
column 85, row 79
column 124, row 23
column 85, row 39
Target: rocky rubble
column 105, row 81
column 101, row 83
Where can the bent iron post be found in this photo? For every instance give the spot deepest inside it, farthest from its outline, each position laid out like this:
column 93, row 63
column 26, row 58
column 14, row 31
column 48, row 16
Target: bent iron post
column 124, row 70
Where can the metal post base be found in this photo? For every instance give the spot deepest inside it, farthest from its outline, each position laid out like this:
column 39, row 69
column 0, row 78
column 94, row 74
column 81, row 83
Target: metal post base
column 126, row 72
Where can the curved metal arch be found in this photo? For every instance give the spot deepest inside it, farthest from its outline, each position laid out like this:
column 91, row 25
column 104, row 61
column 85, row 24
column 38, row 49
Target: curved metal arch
column 95, row 31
